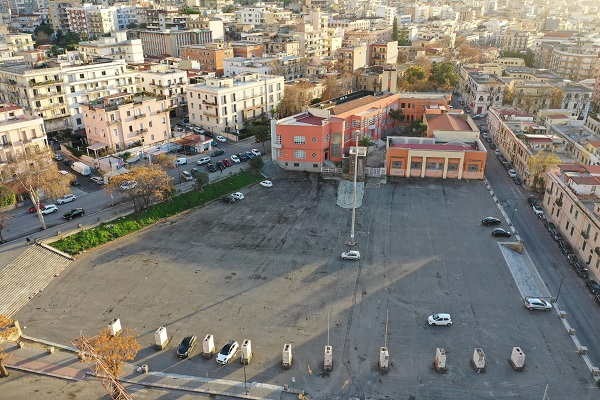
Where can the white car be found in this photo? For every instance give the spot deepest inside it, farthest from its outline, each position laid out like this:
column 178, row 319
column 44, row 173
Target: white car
column 203, row 160
column 440, row 319
column 235, row 159
column 67, row 198
column 187, row 176
column 512, row 173
column 351, row 255
column 128, row 185
column 238, row 195
column 227, row 352
column 98, row 180
column 221, row 138
column 537, row 304
column 50, row 208
column 538, row 210
column 197, row 129
column 266, row 184
column 256, row 152
column 180, row 161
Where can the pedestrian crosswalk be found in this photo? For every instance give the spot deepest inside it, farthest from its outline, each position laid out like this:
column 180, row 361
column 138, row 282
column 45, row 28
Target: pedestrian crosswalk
column 29, row 273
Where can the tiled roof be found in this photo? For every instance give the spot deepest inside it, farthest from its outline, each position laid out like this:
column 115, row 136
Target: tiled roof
column 447, row 122
column 585, row 180
column 310, row 119
column 443, row 147
column 594, row 143
column 351, row 105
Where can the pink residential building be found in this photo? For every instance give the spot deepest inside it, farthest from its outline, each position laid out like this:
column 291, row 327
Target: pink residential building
column 123, row 120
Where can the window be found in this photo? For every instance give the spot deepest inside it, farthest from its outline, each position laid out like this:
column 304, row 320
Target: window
column 300, row 154
column 279, row 152
column 576, row 214
column 571, row 209
column 346, row 125
column 472, row 167
column 129, row 113
column 355, row 123
column 278, row 139
column 452, row 167
column 115, row 132
column 397, row 164
column 299, row 139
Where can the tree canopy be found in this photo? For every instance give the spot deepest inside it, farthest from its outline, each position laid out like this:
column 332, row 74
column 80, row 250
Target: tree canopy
column 115, row 349
column 143, row 185
column 539, row 164
column 33, row 173
column 395, row 29
column 443, row 75
column 7, row 330
column 527, row 56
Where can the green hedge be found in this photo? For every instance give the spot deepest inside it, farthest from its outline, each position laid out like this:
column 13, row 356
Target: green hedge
column 106, row 232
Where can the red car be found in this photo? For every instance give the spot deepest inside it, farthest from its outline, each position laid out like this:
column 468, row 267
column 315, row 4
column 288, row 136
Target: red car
column 227, row 162
column 32, row 208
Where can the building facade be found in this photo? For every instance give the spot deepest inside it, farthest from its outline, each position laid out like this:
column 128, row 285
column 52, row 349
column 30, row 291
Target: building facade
column 210, row 55
column 19, row 131
column 168, row 43
column 125, row 120
column 115, row 47
column 166, row 83
column 226, row 105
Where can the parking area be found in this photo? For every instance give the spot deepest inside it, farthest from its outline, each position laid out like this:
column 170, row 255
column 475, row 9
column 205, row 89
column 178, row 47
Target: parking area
column 268, row 268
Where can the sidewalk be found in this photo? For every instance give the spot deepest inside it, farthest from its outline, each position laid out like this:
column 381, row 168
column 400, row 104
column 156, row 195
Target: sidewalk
column 64, row 364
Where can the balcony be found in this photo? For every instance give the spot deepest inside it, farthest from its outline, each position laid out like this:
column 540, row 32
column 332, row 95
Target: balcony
column 586, row 235
column 558, row 202
column 211, row 113
column 139, row 115
column 97, row 88
column 43, row 83
column 141, row 131
column 114, row 121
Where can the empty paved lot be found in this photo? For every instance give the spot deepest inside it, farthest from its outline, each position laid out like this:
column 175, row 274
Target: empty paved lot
column 268, row 269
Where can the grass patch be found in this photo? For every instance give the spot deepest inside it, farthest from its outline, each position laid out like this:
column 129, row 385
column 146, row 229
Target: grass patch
column 106, row 232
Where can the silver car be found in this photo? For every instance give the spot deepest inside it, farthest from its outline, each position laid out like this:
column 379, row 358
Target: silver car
column 537, row 304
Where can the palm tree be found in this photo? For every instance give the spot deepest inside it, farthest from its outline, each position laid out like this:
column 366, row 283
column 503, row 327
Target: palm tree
column 397, row 116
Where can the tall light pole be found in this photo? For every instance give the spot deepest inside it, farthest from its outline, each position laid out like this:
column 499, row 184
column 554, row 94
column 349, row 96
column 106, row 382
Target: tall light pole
column 352, row 242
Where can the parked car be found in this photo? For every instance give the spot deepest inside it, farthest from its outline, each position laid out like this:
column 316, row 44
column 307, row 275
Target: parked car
column 217, row 153
column 479, row 116
column 221, row 165
column 549, row 225
column 249, row 155
column 256, row 152
column 203, row 160
column 512, row 173
column 581, row 272
column 235, row 159
column 557, row 236
column 227, row 352
column 186, row 346
column 227, row 162
column 243, row 157
column 267, row 184
column 180, row 161
column 195, row 172
column 128, row 185
column 97, row 180
column 238, row 195
column 67, row 198
column 187, row 176
column 537, row 209
column 32, row 209
column 593, row 286
column 74, row 213
column 68, row 162
column 221, row 138
column 487, row 221
column 488, row 139
column 500, row 232
column 517, row 181
column 199, row 130
column 439, row 319
column 211, row 167
column 50, row 208
column 492, row 146
column 58, row 157
column 537, row 304
column 565, row 247
column 572, row 259
column 351, row 255
column 532, row 200
column 228, row 199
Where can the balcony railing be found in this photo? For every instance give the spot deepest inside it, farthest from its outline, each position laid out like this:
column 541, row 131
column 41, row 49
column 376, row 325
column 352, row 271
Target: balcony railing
column 558, row 202
column 586, row 235
column 114, row 121
column 141, row 131
column 140, row 115
column 50, row 82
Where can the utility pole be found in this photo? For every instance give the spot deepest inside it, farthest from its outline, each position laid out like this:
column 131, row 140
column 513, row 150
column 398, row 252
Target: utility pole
column 352, row 242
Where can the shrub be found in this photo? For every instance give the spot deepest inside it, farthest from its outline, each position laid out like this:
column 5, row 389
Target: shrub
column 256, row 163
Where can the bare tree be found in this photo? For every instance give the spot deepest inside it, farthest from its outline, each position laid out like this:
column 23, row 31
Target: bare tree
column 8, row 328
column 33, row 173
column 4, row 217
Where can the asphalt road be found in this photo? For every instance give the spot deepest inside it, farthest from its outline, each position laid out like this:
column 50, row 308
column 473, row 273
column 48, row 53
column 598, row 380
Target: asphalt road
column 267, row 268
column 582, row 311
column 98, row 204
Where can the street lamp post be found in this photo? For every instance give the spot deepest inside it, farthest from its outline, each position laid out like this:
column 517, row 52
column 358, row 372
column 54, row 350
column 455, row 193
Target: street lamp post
column 352, row 242
column 559, row 287
column 178, row 173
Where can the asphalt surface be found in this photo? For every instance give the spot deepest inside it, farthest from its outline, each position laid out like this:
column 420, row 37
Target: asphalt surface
column 268, row 269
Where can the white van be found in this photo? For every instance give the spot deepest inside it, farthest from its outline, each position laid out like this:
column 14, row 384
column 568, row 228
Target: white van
column 181, row 161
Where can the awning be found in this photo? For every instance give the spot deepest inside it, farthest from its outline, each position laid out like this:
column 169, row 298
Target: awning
column 97, row 146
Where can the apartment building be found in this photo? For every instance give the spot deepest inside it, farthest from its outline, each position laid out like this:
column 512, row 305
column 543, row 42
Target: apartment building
column 210, row 55
column 519, row 137
column 55, row 93
column 124, row 120
column 571, row 203
column 596, row 92
column 18, row 43
column 115, row 47
column 516, row 39
column 281, row 45
column 387, row 13
column 380, row 79
column 166, row 83
column 168, row 43
column 381, row 54
column 213, row 25
column 322, row 134
column 19, row 131
column 353, row 38
column 59, row 15
column 415, row 106
column 352, row 58
column 290, row 67
column 93, row 20
column 247, row 49
column 224, row 105
column 169, row 18
column 578, row 142
column 575, row 63
column 483, row 91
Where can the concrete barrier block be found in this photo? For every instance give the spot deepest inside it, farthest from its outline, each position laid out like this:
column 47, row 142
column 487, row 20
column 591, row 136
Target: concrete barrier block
column 562, row 314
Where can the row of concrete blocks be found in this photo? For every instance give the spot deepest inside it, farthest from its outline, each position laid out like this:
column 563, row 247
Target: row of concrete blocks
column 516, row 360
